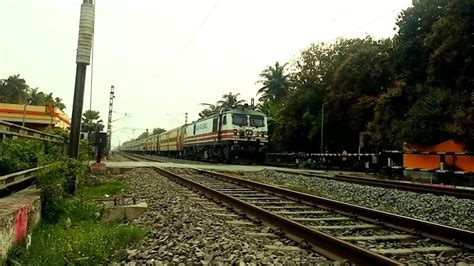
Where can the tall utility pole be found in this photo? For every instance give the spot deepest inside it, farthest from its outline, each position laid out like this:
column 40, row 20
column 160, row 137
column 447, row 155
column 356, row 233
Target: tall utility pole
column 322, row 127
column 84, row 46
column 109, row 122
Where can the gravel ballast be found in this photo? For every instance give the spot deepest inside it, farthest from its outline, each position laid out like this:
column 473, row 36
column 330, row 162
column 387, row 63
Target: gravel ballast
column 185, row 227
column 445, row 210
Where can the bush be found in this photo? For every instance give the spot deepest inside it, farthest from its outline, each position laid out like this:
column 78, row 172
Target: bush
column 83, row 240
column 54, row 183
column 18, row 154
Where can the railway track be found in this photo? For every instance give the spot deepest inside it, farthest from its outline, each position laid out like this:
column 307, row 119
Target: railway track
column 339, row 231
column 391, row 184
column 407, row 186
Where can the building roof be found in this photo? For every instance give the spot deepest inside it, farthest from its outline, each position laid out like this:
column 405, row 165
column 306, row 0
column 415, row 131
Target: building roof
column 35, row 114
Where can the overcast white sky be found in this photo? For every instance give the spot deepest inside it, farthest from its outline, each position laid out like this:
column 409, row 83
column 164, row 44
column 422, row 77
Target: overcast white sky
column 166, row 57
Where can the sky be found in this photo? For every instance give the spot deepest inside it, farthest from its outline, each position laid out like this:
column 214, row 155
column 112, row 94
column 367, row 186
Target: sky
column 166, row 57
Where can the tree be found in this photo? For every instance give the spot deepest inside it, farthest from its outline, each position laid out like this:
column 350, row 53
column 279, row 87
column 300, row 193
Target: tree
column 364, row 73
column 451, row 63
column 275, row 83
column 13, row 90
column 35, row 97
column 143, row 135
column 58, row 103
column 210, row 110
column 91, row 121
column 428, row 120
column 411, row 55
column 158, row 130
column 270, row 108
column 230, row 100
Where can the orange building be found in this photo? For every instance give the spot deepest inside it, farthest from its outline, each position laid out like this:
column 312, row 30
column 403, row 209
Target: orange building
column 431, row 157
column 34, row 116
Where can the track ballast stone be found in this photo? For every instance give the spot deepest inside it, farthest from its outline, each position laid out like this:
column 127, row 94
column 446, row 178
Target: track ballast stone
column 183, row 228
column 445, row 210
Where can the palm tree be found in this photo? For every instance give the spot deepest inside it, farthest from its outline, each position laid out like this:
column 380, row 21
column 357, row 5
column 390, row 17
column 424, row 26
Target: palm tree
column 275, row 83
column 230, row 100
column 210, row 110
column 35, row 97
column 58, row 103
column 91, row 121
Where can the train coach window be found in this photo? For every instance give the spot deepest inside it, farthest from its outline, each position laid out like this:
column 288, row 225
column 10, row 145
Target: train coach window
column 239, row 120
column 256, row 121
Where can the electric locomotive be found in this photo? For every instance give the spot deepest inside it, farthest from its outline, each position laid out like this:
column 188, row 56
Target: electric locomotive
column 232, row 135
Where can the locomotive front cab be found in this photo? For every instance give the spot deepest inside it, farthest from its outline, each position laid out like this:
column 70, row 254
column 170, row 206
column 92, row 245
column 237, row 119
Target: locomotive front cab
column 245, row 134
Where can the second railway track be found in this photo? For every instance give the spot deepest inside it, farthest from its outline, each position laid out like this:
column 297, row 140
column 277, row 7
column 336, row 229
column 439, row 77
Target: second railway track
column 337, row 230
column 391, row 184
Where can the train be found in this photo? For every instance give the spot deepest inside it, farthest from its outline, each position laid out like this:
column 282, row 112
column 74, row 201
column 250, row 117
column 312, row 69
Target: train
column 232, row 135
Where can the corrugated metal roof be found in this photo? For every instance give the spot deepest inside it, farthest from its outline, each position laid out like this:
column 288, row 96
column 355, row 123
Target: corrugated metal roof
column 30, row 121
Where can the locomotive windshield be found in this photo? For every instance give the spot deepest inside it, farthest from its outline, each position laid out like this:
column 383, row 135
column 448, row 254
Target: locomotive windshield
column 239, row 120
column 256, row 121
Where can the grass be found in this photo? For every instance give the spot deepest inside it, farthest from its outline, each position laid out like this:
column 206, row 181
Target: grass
column 85, row 241
column 110, row 188
column 84, row 244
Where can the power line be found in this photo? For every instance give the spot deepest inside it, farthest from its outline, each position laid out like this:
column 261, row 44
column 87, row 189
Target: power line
column 198, row 29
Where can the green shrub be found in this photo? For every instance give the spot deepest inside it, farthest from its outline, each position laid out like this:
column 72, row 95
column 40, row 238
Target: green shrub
column 18, row 154
column 54, row 182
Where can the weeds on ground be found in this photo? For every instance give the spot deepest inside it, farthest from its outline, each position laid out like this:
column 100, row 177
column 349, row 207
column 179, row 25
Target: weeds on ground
column 71, row 232
column 84, row 244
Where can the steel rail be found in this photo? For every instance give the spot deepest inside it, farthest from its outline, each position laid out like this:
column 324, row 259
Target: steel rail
column 413, row 187
column 322, row 243
column 391, row 184
column 443, row 233
column 136, row 157
column 24, row 132
column 9, row 180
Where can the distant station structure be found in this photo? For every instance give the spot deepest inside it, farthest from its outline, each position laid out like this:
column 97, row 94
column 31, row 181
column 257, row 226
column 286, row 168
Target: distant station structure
column 36, row 117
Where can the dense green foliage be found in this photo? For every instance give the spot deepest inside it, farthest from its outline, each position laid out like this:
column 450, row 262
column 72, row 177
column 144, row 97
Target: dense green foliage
column 22, row 154
column 53, row 182
column 17, row 155
column 15, row 90
column 70, row 232
column 415, row 88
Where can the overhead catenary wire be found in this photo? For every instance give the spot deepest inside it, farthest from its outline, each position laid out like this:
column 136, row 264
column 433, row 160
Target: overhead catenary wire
column 198, row 29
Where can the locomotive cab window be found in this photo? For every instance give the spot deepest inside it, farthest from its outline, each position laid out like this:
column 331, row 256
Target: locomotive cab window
column 256, row 121
column 224, row 119
column 239, row 120
column 214, row 125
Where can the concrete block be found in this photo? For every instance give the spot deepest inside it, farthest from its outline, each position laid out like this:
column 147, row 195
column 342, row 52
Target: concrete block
column 134, row 211
column 98, row 168
column 19, row 213
column 123, row 213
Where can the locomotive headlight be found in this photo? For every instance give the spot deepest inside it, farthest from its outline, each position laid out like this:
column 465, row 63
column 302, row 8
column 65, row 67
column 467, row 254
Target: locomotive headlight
column 235, row 131
column 262, row 134
column 249, row 132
